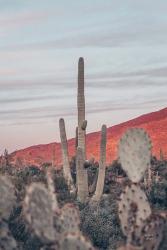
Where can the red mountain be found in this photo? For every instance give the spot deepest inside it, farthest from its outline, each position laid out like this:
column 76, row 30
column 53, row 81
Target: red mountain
column 154, row 123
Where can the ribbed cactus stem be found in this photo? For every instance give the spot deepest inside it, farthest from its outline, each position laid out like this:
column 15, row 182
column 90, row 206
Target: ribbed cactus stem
column 102, row 165
column 65, row 156
column 82, row 180
column 81, row 106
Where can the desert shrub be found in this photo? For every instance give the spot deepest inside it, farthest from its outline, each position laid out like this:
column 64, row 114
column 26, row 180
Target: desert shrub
column 63, row 194
column 158, row 195
column 100, row 223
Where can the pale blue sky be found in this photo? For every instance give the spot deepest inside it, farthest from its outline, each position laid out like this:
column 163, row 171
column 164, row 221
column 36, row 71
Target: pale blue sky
column 124, row 44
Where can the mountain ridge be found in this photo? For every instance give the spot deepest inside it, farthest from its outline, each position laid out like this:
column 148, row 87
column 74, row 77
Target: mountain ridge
column 155, row 123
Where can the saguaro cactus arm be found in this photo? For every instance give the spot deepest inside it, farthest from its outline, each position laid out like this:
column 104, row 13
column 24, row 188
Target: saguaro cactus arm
column 66, row 165
column 102, row 165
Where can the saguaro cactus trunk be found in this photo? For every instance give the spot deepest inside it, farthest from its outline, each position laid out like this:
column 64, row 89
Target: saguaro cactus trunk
column 82, row 178
column 81, row 106
column 102, row 165
column 82, row 181
column 66, row 165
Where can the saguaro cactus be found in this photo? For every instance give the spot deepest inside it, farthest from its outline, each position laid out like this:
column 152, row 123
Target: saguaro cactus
column 66, row 165
column 102, row 165
column 82, row 177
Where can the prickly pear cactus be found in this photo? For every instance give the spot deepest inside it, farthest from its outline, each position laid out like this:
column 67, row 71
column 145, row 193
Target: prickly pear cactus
column 134, row 153
column 70, row 219
column 152, row 232
column 134, row 209
column 75, row 242
column 38, row 212
column 143, row 230
column 7, row 197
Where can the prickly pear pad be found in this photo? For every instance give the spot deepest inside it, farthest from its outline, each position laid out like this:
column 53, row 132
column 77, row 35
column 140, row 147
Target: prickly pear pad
column 134, row 153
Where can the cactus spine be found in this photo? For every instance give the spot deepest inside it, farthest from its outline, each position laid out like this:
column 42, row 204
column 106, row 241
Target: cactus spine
column 66, row 165
column 102, row 165
column 82, row 178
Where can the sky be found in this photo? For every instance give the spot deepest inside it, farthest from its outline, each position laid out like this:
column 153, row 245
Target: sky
column 124, row 45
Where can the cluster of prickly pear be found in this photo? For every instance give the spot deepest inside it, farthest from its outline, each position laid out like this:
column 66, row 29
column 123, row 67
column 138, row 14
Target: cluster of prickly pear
column 135, row 213
column 54, row 227
column 38, row 212
column 7, row 202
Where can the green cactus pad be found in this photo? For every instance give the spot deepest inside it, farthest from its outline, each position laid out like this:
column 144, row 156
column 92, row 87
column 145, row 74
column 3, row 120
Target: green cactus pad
column 38, row 212
column 76, row 242
column 7, row 197
column 134, row 153
column 134, row 209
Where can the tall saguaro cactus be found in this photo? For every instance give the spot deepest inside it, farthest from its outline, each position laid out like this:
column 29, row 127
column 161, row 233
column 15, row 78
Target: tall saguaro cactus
column 81, row 105
column 102, row 165
column 82, row 178
column 66, row 165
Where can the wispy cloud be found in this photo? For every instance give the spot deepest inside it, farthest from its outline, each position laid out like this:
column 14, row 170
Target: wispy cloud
column 126, row 70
